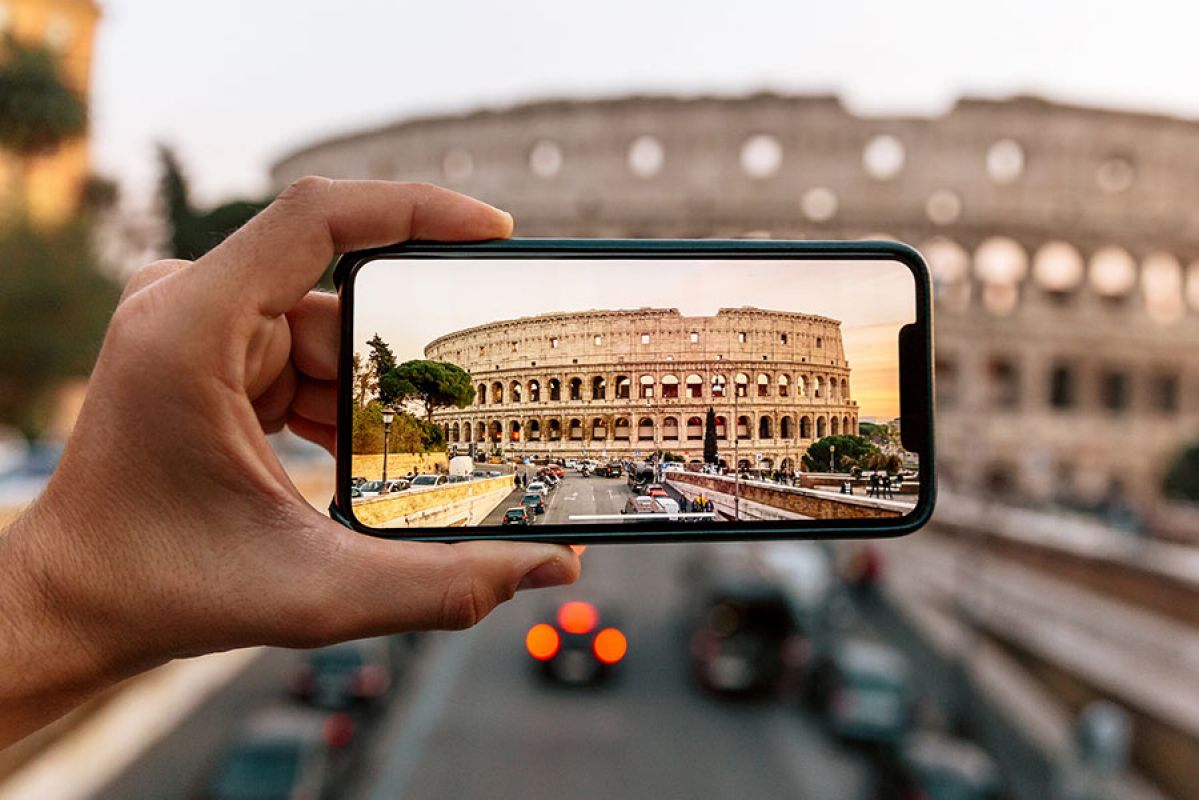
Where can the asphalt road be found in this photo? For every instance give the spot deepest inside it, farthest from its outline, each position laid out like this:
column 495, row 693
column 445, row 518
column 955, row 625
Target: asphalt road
column 479, row 723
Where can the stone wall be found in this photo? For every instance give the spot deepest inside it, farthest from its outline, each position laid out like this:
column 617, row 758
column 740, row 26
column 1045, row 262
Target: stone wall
column 801, row 503
column 398, row 464
column 450, row 505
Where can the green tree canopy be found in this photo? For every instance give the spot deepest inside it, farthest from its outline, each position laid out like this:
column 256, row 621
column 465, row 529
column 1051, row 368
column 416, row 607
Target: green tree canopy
column 38, row 112
column 855, row 448
column 433, row 384
column 710, row 454
column 195, row 231
column 1182, row 479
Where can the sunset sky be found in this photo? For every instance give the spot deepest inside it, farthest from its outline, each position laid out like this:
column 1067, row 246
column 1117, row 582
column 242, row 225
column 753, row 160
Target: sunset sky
column 409, row 304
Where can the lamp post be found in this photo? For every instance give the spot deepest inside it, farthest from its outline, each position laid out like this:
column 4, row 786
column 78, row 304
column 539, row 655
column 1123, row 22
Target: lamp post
column 736, row 455
column 388, row 417
column 832, row 457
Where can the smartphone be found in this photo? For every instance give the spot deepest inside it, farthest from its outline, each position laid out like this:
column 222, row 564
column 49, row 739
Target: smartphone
column 591, row 391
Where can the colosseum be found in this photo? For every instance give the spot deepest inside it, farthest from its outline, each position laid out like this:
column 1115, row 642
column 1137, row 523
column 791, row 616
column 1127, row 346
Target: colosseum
column 1063, row 241
column 623, row 383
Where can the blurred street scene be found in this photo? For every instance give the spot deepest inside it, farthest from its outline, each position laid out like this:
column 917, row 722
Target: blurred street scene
column 1038, row 640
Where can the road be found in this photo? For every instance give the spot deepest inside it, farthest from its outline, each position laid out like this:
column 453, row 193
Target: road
column 472, row 720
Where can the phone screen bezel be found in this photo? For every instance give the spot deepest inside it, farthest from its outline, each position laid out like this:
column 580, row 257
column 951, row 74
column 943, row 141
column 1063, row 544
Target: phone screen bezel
column 916, row 384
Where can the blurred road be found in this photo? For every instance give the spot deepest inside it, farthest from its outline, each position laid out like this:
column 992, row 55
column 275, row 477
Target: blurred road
column 480, row 723
column 575, row 495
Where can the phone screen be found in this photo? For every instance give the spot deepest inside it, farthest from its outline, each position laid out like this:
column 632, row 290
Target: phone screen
column 509, row 393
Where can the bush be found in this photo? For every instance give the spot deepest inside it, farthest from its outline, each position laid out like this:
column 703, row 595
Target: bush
column 1182, row 479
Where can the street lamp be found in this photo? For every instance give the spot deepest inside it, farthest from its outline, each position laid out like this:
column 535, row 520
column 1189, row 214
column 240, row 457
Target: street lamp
column 832, row 457
column 388, row 416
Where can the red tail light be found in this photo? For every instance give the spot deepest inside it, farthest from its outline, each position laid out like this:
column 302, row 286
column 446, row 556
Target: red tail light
column 542, row 642
column 577, row 617
column 339, row 730
column 610, row 645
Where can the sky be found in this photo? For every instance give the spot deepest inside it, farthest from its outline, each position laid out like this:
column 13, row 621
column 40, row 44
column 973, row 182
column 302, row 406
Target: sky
column 235, row 84
column 872, row 299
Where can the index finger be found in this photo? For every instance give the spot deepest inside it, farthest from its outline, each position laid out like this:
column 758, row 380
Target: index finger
column 279, row 255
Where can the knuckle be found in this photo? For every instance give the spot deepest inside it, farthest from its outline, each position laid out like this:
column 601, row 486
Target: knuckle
column 467, row 600
column 305, row 189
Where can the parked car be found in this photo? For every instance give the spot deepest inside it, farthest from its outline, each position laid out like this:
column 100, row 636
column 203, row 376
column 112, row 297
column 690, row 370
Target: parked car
column 480, row 473
column 517, row 516
column 576, row 644
column 864, row 690
column 534, row 502
column 283, row 753
column 344, row 676
column 429, row 479
column 378, row 488
column 357, row 480
column 936, row 766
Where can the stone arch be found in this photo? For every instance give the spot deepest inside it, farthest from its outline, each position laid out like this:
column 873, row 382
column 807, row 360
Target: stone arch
column 495, row 431
column 599, row 429
column 786, row 427
column 514, row 430
column 763, row 385
column 534, row 391
column 801, row 386
column 821, row 427
column 741, row 384
column 455, row 433
column 515, row 392
column 765, row 427
column 575, row 389
column 624, row 387
column 695, row 429
column 722, row 428
column 480, row 432
column 805, row 427
column 844, row 389
column 784, row 384
column 670, row 387
column 744, row 427
column 719, row 385
column 555, row 389
column 834, row 426
column 846, row 428
column 497, row 393
column 817, row 387
column 553, row 429
column 467, row 430
column 599, row 388
column 670, row 429
column 645, row 387
column 574, row 429
column 645, row 429
column 481, row 394
column 695, row 386
column 534, row 430
column 621, row 429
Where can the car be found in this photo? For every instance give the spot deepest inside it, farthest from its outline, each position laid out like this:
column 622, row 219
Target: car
column 673, row 466
column 747, row 637
column 355, row 674
column 537, row 487
column 936, row 766
column 864, row 690
column 357, row 480
column 576, row 644
column 518, row 515
column 459, row 478
column 479, row 473
column 283, row 752
column 355, row 492
column 656, row 490
column 557, row 471
column 534, row 501
column 428, row 480
column 379, row 488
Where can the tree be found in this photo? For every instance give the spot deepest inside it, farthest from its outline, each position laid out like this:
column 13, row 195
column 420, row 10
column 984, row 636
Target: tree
column 382, row 364
column 38, row 111
column 710, row 454
column 854, row 448
column 433, row 384
column 1182, row 479
column 195, row 231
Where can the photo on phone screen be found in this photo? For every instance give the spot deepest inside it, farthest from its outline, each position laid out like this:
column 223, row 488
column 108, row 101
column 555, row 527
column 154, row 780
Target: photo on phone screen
column 682, row 392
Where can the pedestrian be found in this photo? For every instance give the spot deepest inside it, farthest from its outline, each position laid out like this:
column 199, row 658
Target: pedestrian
column 872, row 490
column 709, row 506
column 887, row 487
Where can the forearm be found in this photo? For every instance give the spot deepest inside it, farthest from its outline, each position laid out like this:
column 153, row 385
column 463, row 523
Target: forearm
column 47, row 667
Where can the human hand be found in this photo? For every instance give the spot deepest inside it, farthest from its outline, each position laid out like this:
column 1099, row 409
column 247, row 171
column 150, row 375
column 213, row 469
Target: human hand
column 170, row 529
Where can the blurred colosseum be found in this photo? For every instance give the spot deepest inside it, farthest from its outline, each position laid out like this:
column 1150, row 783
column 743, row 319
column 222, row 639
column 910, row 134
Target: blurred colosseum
column 622, row 383
column 1064, row 243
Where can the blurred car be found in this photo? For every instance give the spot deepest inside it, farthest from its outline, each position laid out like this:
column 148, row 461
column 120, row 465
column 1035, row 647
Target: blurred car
column 344, row 676
column 612, row 470
column 534, row 502
column 656, row 490
column 864, row 689
column 556, row 470
column 935, row 766
column 357, row 480
column 427, row 480
column 377, row 488
column 479, row 473
column 642, row 504
column 537, row 487
column 517, row 516
column 458, row 479
column 355, row 492
column 749, row 639
column 283, row 754
column 576, row 645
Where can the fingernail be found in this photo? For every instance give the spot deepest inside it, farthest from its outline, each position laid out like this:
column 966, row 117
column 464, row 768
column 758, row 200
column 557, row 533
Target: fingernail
column 551, row 573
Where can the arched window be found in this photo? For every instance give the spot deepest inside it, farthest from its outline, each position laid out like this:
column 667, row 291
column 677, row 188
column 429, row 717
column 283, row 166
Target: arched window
column 765, row 428
column 497, row 393
column 496, row 432
column 785, row 428
column 741, row 383
column 670, row 428
column 805, row 427
column 599, row 429
column 481, row 394
column 621, row 429
column 576, row 388
column 817, row 387
column 514, row 392
column 574, row 431
column 784, row 386
column 534, row 391
column 534, row 430
column 844, row 389
column 821, row 427
column 670, row 387
column 480, row 432
column 801, row 386
column 722, row 428
column 695, row 386
column 645, row 429
column 646, row 383
column 835, row 426
column 695, row 429
column 763, row 385
column 467, row 430
column 846, row 429
column 514, row 430
column 554, row 428
column 743, row 427
column 718, row 386
column 456, row 433
column 623, row 387
column 555, row 386
column 599, row 387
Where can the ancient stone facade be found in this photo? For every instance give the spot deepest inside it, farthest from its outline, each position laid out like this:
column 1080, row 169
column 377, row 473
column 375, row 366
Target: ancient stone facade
column 621, row 383
column 1064, row 242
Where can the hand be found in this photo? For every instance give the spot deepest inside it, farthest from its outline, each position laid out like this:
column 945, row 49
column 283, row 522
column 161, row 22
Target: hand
column 170, row 529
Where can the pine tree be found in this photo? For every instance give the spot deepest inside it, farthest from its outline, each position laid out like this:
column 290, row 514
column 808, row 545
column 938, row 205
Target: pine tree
column 710, row 456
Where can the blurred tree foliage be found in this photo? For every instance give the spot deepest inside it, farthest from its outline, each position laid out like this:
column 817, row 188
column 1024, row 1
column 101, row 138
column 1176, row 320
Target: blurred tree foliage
column 53, row 311
column 855, row 449
column 1182, row 479
column 195, row 231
